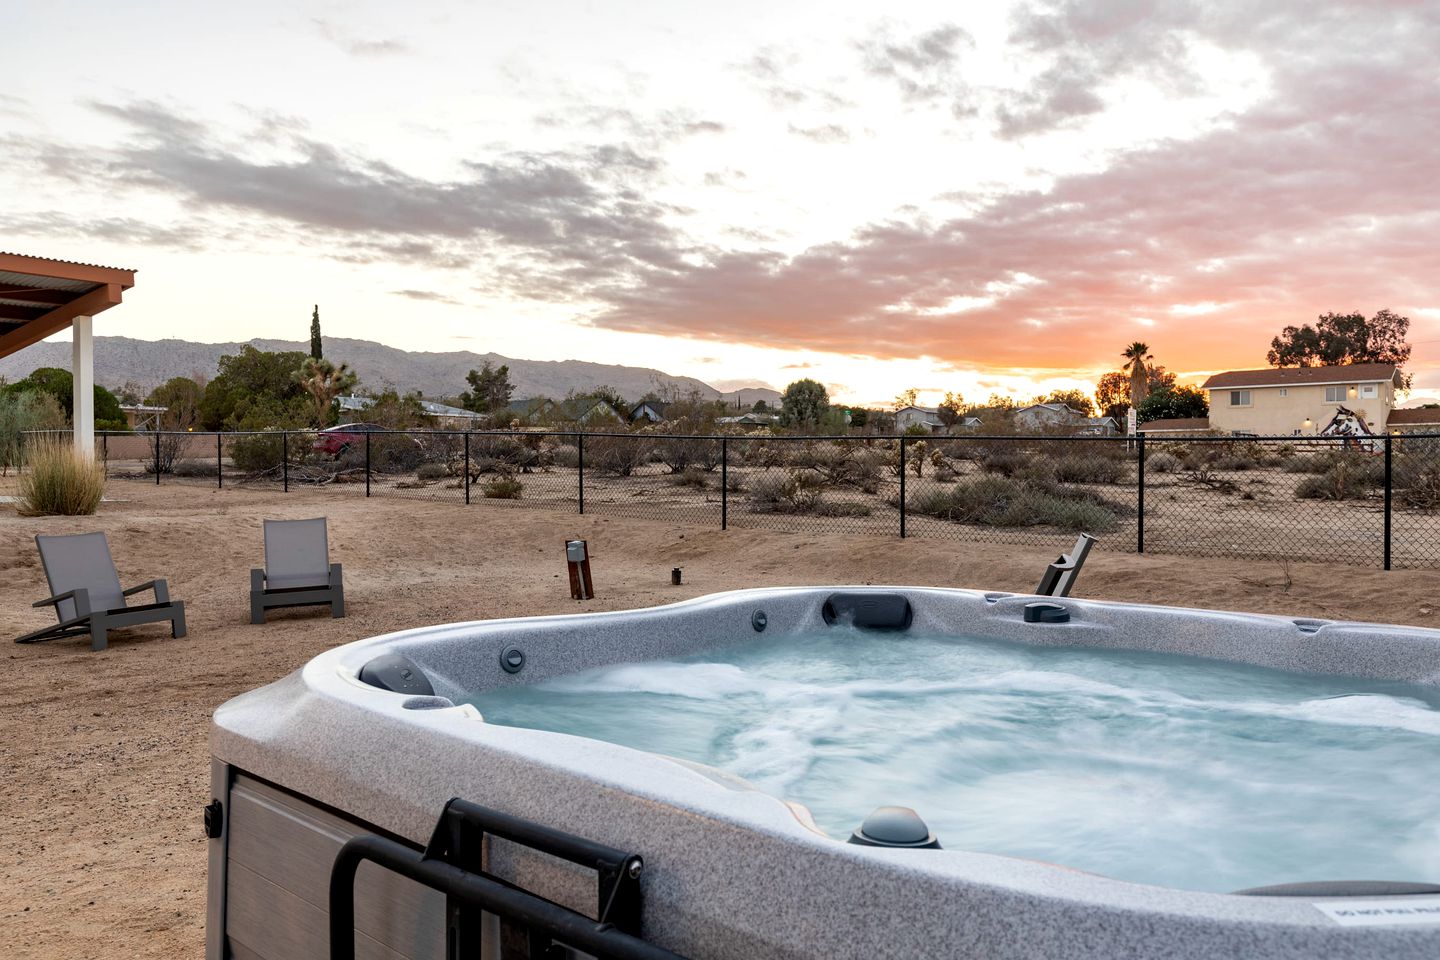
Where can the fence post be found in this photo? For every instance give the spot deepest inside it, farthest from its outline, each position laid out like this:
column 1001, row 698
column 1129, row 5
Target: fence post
column 1140, row 492
column 157, row 458
column 467, row 467
column 902, row 487
column 724, row 483
column 580, row 462
column 219, row 462
column 367, row 463
column 285, row 457
column 1389, row 489
column 105, row 452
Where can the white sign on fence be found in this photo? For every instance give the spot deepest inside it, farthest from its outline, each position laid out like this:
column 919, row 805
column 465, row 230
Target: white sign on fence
column 1130, row 422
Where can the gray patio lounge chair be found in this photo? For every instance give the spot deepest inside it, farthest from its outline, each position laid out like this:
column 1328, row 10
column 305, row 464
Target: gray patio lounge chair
column 86, row 593
column 298, row 571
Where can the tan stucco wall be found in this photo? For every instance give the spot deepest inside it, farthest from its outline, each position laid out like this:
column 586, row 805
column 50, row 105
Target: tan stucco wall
column 1270, row 414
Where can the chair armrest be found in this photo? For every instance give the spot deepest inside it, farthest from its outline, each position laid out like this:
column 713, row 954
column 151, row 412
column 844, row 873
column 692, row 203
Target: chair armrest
column 336, row 575
column 161, row 588
column 80, row 596
column 51, row 601
column 257, row 579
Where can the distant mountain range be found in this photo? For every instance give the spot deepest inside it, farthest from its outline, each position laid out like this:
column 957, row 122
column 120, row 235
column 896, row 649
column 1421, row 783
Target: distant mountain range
column 149, row 363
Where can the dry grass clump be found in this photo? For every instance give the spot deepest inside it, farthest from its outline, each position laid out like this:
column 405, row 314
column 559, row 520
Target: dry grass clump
column 60, row 482
column 1349, row 478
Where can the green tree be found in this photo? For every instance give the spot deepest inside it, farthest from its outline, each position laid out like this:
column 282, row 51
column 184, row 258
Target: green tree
column 490, row 389
column 255, row 390
column 180, row 396
column 22, row 411
column 1112, row 392
column 1339, row 338
column 61, row 386
column 859, row 416
column 760, row 406
column 907, row 398
column 804, row 403
column 1076, row 400
column 1137, row 356
column 1172, row 402
column 951, row 409
column 323, row 381
column 612, row 396
column 316, row 348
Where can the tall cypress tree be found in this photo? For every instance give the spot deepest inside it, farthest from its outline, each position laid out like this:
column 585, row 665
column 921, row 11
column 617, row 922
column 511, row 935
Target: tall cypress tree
column 315, row 350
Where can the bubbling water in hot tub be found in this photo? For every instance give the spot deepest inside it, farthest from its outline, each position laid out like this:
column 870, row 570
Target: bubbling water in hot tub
column 1154, row 768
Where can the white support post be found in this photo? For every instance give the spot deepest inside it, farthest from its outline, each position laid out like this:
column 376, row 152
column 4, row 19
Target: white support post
column 82, row 373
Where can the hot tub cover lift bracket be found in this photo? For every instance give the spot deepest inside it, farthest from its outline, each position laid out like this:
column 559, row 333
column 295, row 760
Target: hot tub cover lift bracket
column 451, row 863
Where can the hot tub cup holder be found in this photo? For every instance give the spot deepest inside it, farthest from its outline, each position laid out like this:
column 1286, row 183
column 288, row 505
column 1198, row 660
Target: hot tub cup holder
column 428, row 703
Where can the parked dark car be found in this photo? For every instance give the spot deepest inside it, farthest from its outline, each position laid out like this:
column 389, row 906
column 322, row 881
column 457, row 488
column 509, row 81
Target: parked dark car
column 334, row 441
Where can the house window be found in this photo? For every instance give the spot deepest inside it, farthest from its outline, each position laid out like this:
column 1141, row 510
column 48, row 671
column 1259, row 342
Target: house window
column 1239, row 398
column 1284, row 391
column 1368, row 390
column 1335, row 394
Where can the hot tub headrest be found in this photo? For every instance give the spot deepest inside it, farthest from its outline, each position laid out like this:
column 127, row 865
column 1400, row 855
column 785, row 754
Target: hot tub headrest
column 390, row 671
column 870, row 611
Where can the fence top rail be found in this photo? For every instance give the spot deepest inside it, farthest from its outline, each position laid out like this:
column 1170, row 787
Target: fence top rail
column 789, row 438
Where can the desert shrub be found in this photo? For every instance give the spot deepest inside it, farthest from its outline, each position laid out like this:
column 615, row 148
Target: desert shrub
column 681, row 453
column 430, row 472
column 194, row 468
column 1006, row 502
column 566, row 455
column 841, row 508
column 1305, row 463
column 1162, row 462
column 1350, row 478
column 259, row 452
column 502, row 488
column 690, row 477
column 394, row 453
column 793, row 491
column 734, row 483
column 846, row 464
column 1004, row 462
column 1086, row 468
column 618, row 455
column 1422, row 491
column 60, row 482
column 1232, row 462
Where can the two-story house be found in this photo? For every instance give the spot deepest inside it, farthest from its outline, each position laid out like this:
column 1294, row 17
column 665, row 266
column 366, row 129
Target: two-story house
column 1287, row 401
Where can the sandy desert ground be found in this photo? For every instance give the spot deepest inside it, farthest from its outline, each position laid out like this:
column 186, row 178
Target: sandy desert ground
column 103, row 756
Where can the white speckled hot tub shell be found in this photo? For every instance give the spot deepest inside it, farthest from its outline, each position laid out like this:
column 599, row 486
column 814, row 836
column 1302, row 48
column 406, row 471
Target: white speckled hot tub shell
column 735, row 873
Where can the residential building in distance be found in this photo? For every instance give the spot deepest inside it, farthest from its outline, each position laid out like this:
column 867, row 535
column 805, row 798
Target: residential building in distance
column 1059, row 417
column 1293, row 401
column 912, row 416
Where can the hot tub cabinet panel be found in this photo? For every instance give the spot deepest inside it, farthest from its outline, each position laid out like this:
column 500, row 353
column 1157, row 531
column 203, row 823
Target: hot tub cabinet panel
column 277, row 874
column 730, row 872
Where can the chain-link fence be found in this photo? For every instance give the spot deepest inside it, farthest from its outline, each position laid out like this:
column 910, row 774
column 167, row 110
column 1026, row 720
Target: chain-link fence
column 1366, row 501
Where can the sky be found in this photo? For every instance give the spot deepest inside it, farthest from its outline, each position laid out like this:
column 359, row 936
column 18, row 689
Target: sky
column 976, row 198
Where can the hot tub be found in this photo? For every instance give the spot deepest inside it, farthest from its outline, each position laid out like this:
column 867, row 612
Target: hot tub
column 731, row 870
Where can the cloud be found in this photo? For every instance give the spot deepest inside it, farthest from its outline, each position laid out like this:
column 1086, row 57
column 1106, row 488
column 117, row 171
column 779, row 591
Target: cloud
column 826, row 133
column 429, row 295
column 924, row 67
column 358, row 46
column 547, row 223
column 1272, row 217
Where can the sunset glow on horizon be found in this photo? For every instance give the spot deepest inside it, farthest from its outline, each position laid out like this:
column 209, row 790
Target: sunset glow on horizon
column 979, row 199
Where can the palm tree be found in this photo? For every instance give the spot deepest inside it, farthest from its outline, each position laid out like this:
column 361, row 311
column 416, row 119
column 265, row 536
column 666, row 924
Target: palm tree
column 1137, row 355
column 324, row 381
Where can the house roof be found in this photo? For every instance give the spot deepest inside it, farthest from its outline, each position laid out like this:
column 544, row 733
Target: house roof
column 1176, row 423
column 577, row 407
column 929, row 411
column 1415, row 415
column 1053, row 408
column 527, row 406
column 1302, row 376
column 658, row 406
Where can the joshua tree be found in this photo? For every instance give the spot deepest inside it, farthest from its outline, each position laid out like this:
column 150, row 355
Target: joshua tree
column 324, row 381
column 1137, row 355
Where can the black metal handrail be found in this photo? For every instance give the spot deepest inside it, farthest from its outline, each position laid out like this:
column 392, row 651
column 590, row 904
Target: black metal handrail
column 450, row 864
